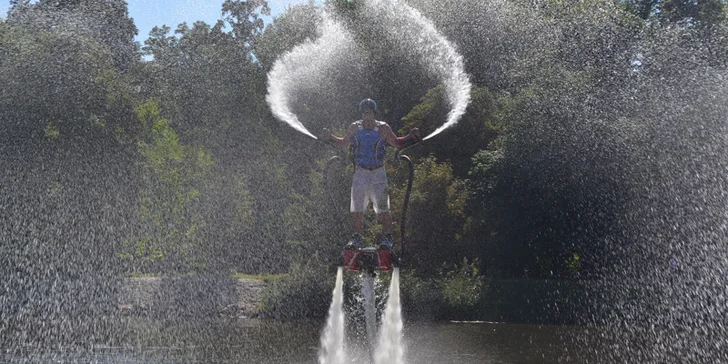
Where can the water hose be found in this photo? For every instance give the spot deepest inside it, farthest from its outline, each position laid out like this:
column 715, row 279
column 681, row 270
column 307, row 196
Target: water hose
column 404, row 205
column 407, row 193
column 329, row 162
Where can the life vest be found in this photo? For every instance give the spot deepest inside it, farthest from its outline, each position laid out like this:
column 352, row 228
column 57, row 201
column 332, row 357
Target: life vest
column 368, row 148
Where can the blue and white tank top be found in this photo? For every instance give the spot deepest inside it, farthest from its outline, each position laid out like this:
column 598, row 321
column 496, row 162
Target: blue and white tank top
column 368, row 148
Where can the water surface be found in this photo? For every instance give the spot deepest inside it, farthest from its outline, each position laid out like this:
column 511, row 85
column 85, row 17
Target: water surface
column 233, row 340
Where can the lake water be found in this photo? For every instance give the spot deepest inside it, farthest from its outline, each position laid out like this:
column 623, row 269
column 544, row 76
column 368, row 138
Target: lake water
column 233, row 340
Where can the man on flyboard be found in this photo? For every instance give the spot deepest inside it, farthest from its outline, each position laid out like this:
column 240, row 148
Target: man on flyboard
column 368, row 138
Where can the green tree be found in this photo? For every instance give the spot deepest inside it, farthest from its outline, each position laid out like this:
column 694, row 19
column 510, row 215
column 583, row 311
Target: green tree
column 69, row 175
column 244, row 16
column 213, row 89
column 475, row 130
column 700, row 24
column 106, row 22
column 691, row 13
column 501, row 42
column 173, row 173
column 298, row 24
column 205, row 81
column 65, row 88
column 438, row 196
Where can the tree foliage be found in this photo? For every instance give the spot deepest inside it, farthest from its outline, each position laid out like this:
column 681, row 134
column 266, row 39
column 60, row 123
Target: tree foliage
column 437, row 195
column 534, row 179
column 243, row 16
column 170, row 190
column 477, row 128
column 106, row 22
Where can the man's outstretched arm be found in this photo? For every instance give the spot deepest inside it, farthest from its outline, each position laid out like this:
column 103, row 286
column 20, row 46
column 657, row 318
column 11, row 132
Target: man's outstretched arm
column 342, row 143
column 399, row 142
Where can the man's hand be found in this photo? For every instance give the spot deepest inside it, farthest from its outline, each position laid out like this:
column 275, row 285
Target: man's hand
column 407, row 140
column 326, row 135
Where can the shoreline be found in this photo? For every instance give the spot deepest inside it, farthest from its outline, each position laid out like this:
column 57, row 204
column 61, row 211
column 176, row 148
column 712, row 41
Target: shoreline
column 191, row 296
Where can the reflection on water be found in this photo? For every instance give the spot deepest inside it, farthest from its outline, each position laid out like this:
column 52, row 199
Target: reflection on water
column 221, row 340
column 491, row 343
column 259, row 341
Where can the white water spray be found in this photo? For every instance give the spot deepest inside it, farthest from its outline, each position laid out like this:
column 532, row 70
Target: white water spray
column 387, row 347
column 370, row 311
column 306, row 67
column 390, row 346
column 332, row 349
column 434, row 52
column 310, row 65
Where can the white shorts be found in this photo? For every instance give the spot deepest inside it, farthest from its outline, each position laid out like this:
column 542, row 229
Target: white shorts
column 369, row 186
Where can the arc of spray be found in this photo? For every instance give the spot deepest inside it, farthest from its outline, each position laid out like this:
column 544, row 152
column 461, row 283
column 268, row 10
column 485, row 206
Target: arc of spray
column 434, row 52
column 277, row 97
column 307, row 64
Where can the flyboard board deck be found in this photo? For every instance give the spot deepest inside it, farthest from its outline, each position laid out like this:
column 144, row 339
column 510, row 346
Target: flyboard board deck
column 369, row 259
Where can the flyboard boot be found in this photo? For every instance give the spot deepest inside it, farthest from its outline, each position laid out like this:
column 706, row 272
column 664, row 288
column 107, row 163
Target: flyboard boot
column 369, row 259
column 351, row 253
column 385, row 254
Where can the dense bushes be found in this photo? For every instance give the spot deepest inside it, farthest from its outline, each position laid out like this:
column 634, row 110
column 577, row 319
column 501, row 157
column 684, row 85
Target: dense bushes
column 456, row 293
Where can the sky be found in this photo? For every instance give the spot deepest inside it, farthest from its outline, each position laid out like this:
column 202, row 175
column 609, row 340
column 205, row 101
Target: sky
column 150, row 13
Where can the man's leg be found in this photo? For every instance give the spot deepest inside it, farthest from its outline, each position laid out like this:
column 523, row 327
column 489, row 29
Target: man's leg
column 358, row 205
column 358, row 222
column 356, row 241
column 385, row 218
column 381, row 206
column 380, row 202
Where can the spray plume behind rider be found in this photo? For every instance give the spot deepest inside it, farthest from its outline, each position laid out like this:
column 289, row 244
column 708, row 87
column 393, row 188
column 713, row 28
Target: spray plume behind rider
column 368, row 138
